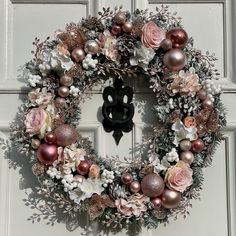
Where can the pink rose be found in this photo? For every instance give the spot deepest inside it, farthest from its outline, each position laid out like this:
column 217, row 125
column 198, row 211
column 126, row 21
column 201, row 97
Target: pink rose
column 36, row 122
column 179, row 177
column 38, row 98
column 94, row 171
column 152, row 35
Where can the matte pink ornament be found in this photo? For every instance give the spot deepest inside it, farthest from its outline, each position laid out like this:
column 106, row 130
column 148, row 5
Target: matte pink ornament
column 47, row 153
column 156, row 203
column 135, row 187
column 197, row 145
column 126, row 178
column 175, row 59
column 91, row 47
column 63, row 91
column 187, row 157
column 166, row 44
column 185, row 145
column 60, row 102
column 170, row 198
column 78, row 55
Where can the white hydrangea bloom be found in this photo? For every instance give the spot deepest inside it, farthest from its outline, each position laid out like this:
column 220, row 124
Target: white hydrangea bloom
column 34, row 80
column 89, row 62
column 212, row 88
column 107, row 177
column 172, row 156
column 74, row 91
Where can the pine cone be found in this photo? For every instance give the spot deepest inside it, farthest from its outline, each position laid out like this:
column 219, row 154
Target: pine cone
column 116, row 191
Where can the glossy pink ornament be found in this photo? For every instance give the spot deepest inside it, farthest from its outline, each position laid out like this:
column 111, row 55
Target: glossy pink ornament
column 66, row 80
column 135, row 187
column 178, row 37
column 47, row 153
column 152, row 185
column 126, row 178
column 185, row 145
column 65, row 135
column 127, row 27
column 120, row 18
column 170, row 198
column 50, row 138
column 166, row 44
column 207, row 103
column 156, row 203
column 197, row 145
column 175, row 59
column 202, row 94
column 187, row 157
column 91, row 47
column 60, row 102
column 78, row 55
column 83, row 167
column 63, row 91
column 116, row 30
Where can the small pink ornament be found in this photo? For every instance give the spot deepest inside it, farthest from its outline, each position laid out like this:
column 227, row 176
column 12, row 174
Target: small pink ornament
column 127, row 27
column 83, row 167
column 66, row 80
column 126, row 178
column 91, row 47
column 120, row 17
column 166, row 44
column 47, row 153
column 116, row 30
column 135, row 187
column 175, row 59
column 60, row 102
column 50, row 138
column 170, row 198
column 185, row 145
column 187, row 157
column 156, row 203
column 78, row 55
column 197, row 145
column 63, row 91
column 207, row 103
column 202, row 94
column 178, row 37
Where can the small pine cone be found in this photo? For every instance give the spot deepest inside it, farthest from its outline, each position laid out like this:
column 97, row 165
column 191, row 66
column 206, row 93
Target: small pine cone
column 38, row 169
column 116, row 191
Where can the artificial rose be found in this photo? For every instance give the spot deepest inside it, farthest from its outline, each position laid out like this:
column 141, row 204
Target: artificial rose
column 94, row 171
column 152, row 35
column 37, row 121
column 40, row 98
column 179, row 177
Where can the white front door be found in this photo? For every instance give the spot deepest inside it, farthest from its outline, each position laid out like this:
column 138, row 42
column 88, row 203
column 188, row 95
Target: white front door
column 210, row 22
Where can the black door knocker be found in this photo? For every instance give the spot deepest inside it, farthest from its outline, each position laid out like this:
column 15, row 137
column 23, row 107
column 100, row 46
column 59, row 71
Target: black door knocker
column 118, row 109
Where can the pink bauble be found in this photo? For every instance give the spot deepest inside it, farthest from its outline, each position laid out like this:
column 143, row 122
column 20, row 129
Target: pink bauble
column 152, row 185
column 50, row 138
column 60, row 102
column 120, row 17
column 202, row 94
column 78, row 55
column 197, row 145
column 126, row 178
column 63, row 91
column 65, row 135
column 83, row 167
column 127, row 27
column 178, row 37
column 116, row 30
column 166, row 44
column 207, row 103
column 47, row 153
column 175, row 59
column 91, row 47
column 170, row 198
column 66, row 80
column 185, row 145
column 156, row 203
column 187, row 157
column 135, row 187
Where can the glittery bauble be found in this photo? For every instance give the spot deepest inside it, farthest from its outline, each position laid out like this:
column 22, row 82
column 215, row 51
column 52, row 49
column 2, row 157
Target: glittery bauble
column 202, row 94
column 35, row 143
column 66, row 135
column 91, row 47
column 207, row 103
column 197, row 145
column 156, row 203
column 185, row 145
column 178, row 37
column 127, row 27
column 66, row 80
column 126, row 178
column 175, row 59
column 116, row 30
column 152, row 185
column 166, row 44
column 63, row 91
column 60, row 102
column 187, row 157
column 120, row 18
column 50, row 138
column 78, row 55
column 83, row 167
column 135, row 187
column 47, row 153
column 170, row 198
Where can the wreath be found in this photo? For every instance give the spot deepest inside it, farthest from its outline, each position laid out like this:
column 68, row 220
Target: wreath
column 166, row 172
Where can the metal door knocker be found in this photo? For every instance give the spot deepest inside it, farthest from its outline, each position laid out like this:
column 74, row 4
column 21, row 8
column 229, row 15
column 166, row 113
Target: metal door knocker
column 118, row 109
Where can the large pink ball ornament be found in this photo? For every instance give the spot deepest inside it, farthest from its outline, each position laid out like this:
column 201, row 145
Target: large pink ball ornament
column 47, row 153
column 152, row 185
column 65, row 135
column 170, row 198
column 175, row 59
column 178, row 37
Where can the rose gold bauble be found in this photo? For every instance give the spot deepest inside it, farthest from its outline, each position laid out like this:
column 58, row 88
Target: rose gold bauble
column 166, row 44
column 178, row 37
column 202, row 94
column 60, row 102
column 120, row 18
column 83, row 167
column 78, row 55
column 135, row 187
column 207, row 103
column 116, row 30
column 185, row 145
column 47, row 153
column 187, row 157
column 175, row 59
column 127, row 27
column 35, row 143
column 65, row 135
column 156, row 203
column 50, row 138
column 152, row 185
column 91, row 47
column 66, row 80
column 197, row 145
column 170, row 198
column 63, row 91
column 126, row 178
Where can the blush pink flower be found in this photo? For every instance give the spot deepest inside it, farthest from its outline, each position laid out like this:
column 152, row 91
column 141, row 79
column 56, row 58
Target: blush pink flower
column 36, row 122
column 152, row 35
column 179, row 177
column 94, row 171
column 40, row 98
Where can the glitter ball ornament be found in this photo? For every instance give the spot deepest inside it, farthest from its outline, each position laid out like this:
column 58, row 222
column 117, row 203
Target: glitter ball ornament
column 170, row 198
column 120, row 18
column 47, row 153
column 185, row 145
column 175, row 59
column 152, row 185
column 197, row 145
column 83, row 167
column 178, row 37
column 65, row 135
column 126, row 178
column 135, row 187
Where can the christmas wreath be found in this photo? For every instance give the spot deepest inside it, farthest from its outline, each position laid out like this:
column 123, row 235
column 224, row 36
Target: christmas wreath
column 166, row 172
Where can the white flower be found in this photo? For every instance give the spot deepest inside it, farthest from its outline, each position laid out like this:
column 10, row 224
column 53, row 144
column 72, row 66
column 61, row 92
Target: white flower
column 74, row 91
column 142, row 57
column 107, row 177
column 212, row 88
column 182, row 132
column 89, row 62
column 34, row 79
column 40, row 98
column 172, row 156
